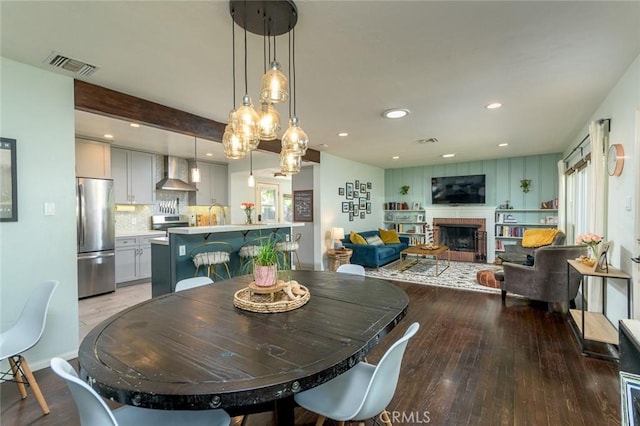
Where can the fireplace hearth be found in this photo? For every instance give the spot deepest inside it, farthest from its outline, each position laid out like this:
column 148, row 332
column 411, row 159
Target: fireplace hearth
column 466, row 238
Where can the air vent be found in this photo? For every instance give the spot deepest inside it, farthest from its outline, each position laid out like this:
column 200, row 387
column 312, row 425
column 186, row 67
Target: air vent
column 430, row 140
column 75, row 66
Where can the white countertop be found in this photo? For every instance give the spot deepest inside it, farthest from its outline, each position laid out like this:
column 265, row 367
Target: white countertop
column 140, row 234
column 231, row 228
column 160, row 240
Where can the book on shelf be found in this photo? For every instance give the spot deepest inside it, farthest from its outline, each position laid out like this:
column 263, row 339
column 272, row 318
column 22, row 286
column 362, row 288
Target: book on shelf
column 509, row 231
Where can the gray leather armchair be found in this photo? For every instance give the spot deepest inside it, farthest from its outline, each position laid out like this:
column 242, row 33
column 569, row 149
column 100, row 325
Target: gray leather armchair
column 546, row 280
column 515, row 253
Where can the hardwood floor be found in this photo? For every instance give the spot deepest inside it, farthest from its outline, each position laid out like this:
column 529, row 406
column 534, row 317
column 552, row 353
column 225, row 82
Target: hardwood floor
column 473, row 362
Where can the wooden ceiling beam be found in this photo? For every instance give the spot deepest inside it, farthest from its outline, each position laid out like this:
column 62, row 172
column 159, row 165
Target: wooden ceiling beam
column 100, row 100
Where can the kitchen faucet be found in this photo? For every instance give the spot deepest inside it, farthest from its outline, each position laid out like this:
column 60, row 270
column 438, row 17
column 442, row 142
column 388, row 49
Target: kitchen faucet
column 224, row 214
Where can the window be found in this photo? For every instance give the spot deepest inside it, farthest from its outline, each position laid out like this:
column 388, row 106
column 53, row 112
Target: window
column 267, row 205
column 287, row 207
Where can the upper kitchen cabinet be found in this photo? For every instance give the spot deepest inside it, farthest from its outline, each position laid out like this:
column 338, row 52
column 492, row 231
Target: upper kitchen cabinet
column 213, row 187
column 133, row 176
column 93, row 159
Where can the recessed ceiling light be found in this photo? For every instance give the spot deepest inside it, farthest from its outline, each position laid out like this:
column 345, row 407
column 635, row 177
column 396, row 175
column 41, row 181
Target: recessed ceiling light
column 395, row 113
column 136, row 125
column 108, row 136
column 503, row 144
column 493, row 105
column 395, row 157
column 208, row 154
column 343, row 134
column 448, row 155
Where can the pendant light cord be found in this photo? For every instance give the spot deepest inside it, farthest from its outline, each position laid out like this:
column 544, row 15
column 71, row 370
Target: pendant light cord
column 233, row 57
column 294, row 70
column 246, row 83
column 291, row 79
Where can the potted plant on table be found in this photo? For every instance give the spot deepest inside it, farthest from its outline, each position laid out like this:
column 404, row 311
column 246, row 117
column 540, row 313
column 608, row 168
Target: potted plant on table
column 265, row 263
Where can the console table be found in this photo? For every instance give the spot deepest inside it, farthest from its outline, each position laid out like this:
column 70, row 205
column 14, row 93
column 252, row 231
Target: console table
column 594, row 326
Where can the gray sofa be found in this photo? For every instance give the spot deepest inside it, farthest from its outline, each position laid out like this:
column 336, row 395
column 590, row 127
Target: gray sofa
column 546, row 280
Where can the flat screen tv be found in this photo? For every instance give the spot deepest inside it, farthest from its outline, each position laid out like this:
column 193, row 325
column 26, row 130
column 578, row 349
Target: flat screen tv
column 468, row 189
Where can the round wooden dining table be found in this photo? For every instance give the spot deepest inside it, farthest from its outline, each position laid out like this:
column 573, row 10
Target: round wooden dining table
column 194, row 350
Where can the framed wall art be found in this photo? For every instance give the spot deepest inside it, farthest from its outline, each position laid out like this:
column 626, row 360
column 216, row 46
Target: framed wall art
column 8, row 181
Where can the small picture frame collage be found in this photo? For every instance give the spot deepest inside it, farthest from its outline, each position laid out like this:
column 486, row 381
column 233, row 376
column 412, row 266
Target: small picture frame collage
column 357, row 196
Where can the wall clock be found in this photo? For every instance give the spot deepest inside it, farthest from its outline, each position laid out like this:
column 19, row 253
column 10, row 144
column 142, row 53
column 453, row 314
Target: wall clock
column 615, row 159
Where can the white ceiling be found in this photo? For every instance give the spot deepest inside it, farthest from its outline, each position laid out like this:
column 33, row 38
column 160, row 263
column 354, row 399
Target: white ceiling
column 550, row 63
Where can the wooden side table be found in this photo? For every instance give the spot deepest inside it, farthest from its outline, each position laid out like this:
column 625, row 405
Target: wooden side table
column 338, row 257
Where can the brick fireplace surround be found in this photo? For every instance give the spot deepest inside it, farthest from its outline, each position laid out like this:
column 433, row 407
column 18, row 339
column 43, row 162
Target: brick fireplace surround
column 462, row 256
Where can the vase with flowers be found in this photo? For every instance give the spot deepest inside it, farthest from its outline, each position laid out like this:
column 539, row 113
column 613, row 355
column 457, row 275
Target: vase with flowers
column 590, row 240
column 248, row 210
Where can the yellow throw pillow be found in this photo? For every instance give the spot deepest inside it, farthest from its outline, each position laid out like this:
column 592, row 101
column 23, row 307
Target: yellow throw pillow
column 356, row 238
column 538, row 237
column 389, row 236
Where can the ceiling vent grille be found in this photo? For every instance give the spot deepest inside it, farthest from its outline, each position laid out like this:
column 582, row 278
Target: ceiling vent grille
column 75, row 66
column 426, row 141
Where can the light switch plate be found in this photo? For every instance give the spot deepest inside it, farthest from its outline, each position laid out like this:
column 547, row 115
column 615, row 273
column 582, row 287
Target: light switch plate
column 49, row 209
column 182, row 250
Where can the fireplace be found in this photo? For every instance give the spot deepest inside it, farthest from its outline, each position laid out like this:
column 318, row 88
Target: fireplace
column 466, row 238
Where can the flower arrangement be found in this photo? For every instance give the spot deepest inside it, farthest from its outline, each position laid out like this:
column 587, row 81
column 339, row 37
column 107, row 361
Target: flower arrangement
column 248, row 210
column 591, row 240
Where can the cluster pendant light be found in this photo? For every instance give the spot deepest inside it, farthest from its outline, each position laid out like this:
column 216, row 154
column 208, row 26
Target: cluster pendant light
column 246, row 125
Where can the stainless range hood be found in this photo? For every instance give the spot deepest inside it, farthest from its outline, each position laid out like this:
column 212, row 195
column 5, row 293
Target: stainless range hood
column 171, row 181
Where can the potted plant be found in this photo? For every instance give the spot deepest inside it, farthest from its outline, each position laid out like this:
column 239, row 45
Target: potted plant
column 525, row 184
column 265, row 263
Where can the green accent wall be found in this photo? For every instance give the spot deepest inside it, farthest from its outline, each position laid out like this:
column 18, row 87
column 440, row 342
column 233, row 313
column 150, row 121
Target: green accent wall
column 503, row 178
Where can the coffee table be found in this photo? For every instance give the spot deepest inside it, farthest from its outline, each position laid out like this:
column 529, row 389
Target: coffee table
column 420, row 252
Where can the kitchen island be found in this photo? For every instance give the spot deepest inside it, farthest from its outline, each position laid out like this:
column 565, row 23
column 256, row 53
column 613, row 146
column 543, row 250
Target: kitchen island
column 170, row 256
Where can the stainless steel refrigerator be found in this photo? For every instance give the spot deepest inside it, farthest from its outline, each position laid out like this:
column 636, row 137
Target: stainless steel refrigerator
column 95, row 211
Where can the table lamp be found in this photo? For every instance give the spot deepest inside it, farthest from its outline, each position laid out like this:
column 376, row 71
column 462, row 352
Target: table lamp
column 337, row 234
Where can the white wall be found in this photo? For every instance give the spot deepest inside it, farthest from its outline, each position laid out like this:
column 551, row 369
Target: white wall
column 621, row 105
column 334, row 173
column 37, row 110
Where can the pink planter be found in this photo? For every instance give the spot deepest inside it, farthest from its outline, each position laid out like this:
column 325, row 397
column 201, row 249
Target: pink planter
column 265, row 276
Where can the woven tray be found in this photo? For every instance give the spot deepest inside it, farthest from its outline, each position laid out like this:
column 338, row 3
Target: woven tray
column 247, row 300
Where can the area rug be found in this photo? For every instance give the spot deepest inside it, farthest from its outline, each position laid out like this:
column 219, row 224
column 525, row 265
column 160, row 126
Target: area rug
column 460, row 275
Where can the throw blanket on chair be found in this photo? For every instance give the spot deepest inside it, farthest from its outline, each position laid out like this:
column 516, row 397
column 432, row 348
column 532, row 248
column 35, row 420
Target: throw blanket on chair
column 538, row 237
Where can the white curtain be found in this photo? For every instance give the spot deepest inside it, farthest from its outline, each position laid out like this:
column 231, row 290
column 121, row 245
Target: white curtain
column 597, row 202
column 562, row 198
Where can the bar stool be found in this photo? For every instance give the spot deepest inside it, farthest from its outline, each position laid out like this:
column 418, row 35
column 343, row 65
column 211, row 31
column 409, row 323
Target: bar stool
column 289, row 247
column 210, row 255
column 246, row 253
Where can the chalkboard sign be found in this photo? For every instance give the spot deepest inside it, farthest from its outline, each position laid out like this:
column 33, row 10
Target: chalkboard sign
column 303, row 206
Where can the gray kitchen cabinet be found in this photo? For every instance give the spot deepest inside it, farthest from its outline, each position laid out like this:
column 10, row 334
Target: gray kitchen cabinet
column 213, row 187
column 93, row 159
column 133, row 176
column 133, row 258
column 126, row 259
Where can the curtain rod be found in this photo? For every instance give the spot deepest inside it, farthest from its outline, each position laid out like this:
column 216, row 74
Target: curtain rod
column 577, row 147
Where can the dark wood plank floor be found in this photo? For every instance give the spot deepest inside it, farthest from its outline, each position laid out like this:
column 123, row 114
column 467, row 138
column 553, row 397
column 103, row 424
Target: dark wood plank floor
column 473, row 362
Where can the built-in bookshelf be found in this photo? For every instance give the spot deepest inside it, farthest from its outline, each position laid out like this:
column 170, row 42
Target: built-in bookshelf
column 511, row 224
column 409, row 223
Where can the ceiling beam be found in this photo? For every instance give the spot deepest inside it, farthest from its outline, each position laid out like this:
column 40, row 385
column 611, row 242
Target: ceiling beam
column 100, row 100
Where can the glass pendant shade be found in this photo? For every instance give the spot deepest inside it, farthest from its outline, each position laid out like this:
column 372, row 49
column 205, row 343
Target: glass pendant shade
column 195, row 175
column 290, row 162
column 234, row 147
column 295, row 139
column 274, row 85
column 251, row 181
column 246, row 124
column 269, row 122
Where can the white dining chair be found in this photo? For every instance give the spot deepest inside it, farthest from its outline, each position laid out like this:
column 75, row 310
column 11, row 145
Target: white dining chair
column 351, row 269
column 25, row 334
column 188, row 283
column 362, row 392
column 95, row 412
